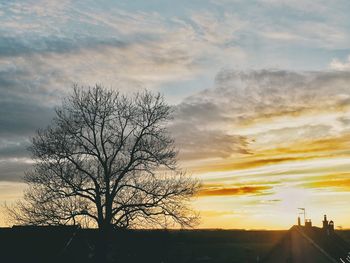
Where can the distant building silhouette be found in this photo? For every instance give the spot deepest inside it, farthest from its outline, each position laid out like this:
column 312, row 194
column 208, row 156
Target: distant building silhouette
column 309, row 244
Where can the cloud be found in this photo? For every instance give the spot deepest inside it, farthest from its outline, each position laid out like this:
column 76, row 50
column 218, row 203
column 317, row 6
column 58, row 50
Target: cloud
column 343, row 184
column 336, row 64
column 22, row 118
column 12, row 169
column 254, row 128
column 215, row 213
column 337, row 181
column 15, row 46
column 217, row 30
column 272, row 93
column 308, row 34
column 303, row 6
column 14, row 147
column 247, row 163
column 245, row 190
column 114, row 46
column 249, row 113
column 43, row 53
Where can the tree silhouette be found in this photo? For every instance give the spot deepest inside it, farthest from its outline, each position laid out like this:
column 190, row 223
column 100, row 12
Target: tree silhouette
column 108, row 160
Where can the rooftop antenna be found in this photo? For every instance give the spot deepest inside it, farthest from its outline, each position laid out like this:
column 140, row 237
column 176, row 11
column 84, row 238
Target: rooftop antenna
column 303, row 211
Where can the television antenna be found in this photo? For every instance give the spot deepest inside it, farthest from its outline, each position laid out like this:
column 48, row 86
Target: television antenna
column 302, row 212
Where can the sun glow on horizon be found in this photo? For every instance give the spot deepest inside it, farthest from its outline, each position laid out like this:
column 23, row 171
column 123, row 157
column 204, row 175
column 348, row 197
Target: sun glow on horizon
column 287, row 165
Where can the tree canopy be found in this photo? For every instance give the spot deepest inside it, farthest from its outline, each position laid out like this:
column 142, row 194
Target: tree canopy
column 107, row 160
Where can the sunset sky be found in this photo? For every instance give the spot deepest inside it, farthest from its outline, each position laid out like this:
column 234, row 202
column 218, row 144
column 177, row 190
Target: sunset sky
column 261, row 91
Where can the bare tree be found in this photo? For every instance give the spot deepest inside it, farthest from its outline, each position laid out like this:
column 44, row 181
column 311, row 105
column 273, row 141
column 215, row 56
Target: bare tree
column 107, row 159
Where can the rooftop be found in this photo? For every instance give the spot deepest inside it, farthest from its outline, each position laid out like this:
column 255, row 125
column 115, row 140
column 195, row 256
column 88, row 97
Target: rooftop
column 310, row 244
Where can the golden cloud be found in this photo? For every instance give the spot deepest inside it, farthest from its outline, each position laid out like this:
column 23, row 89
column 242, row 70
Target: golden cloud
column 228, row 191
column 338, row 182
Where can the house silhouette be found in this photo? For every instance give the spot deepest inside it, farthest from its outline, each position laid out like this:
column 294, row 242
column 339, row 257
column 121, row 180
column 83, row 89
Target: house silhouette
column 310, row 244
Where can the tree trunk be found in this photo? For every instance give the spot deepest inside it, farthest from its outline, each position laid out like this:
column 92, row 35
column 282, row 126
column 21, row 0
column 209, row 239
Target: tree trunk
column 103, row 242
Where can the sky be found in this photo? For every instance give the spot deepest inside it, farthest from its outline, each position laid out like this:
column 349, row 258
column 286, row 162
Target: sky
column 260, row 88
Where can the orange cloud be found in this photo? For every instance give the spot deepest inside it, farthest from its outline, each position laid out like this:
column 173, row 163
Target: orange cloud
column 244, row 190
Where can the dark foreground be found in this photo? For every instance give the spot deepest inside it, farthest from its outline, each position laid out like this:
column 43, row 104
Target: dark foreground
column 79, row 245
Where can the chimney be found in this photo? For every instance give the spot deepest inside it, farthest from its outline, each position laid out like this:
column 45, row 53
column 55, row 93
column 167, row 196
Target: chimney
column 325, row 222
column 308, row 223
column 299, row 222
